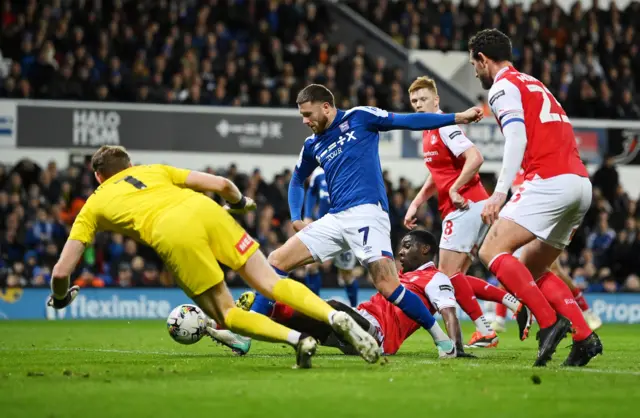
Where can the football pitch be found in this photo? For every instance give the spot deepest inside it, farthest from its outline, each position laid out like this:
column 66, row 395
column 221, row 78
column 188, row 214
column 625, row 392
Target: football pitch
column 133, row 369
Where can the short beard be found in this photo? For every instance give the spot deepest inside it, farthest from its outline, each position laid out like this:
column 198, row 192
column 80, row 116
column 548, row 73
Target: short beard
column 486, row 82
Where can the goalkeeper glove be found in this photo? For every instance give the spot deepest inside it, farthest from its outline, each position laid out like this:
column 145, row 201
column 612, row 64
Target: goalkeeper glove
column 246, row 204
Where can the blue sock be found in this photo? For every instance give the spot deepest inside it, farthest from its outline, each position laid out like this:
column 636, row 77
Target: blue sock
column 352, row 292
column 412, row 306
column 313, row 282
column 263, row 305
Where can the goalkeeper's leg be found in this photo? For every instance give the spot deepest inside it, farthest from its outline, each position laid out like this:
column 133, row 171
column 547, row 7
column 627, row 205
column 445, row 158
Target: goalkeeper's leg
column 260, row 275
column 321, row 331
column 218, row 304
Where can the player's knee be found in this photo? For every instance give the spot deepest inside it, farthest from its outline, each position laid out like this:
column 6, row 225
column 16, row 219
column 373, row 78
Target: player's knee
column 486, row 253
column 276, row 259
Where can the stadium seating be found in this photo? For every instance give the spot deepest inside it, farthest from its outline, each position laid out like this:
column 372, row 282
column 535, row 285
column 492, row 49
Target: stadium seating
column 590, row 59
column 236, row 53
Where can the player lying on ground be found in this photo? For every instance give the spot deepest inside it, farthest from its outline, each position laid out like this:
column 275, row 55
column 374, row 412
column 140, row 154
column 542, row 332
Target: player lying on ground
column 383, row 320
column 453, row 163
column 161, row 207
column 549, row 206
column 317, row 204
column 345, row 145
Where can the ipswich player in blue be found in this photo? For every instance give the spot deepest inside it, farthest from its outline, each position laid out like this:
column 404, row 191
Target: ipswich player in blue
column 317, row 204
column 345, row 145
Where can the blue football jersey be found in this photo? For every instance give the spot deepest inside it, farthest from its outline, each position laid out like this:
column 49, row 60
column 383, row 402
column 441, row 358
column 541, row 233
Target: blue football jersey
column 348, row 153
column 317, row 194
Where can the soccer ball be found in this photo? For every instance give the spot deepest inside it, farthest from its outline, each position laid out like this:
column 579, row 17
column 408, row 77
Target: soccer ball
column 186, row 324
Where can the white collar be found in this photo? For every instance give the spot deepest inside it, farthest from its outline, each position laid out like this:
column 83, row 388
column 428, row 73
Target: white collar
column 502, row 71
column 426, row 266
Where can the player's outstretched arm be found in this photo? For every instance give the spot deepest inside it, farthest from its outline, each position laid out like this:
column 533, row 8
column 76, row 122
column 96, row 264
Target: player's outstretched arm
column 425, row 121
column 427, row 190
column 61, row 294
column 205, row 182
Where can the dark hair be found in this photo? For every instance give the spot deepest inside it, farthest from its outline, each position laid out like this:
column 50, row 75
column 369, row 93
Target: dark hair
column 425, row 237
column 315, row 93
column 110, row 160
column 494, row 44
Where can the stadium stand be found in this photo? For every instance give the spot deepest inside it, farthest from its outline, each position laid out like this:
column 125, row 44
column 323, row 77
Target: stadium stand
column 238, row 53
column 589, row 58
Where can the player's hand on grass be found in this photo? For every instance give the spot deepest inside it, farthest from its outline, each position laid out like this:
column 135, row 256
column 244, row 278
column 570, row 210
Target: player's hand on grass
column 458, row 201
column 472, row 115
column 299, row 225
column 246, row 204
column 410, row 217
column 491, row 209
column 66, row 301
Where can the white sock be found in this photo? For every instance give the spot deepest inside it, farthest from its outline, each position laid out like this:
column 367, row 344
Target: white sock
column 293, row 338
column 483, row 326
column 511, row 302
column 437, row 333
column 501, row 320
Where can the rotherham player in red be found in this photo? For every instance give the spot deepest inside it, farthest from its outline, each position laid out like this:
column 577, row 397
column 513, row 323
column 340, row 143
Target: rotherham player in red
column 591, row 317
column 383, row 320
column 549, row 206
column 453, row 163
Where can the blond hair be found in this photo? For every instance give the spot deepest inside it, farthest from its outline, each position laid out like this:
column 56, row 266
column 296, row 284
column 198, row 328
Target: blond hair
column 110, row 160
column 423, row 82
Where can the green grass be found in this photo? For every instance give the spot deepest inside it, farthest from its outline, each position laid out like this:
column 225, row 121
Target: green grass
column 133, row 369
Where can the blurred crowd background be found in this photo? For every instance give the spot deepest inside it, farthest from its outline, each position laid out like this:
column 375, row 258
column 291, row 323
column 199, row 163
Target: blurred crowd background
column 260, row 53
column 588, row 58
column 38, row 205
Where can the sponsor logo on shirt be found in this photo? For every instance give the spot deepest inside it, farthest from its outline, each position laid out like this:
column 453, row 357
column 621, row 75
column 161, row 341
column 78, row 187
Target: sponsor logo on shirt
column 245, row 243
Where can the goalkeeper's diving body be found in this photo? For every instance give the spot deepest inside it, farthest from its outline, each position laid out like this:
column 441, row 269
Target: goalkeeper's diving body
column 381, row 318
column 162, row 206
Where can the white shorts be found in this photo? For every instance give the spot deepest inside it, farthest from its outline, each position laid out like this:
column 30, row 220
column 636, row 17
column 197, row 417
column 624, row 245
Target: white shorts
column 463, row 230
column 552, row 209
column 364, row 229
column 345, row 261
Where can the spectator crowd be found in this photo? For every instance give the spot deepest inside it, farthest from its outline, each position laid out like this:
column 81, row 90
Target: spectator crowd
column 589, row 58
column 38, row 206
column 199, row 52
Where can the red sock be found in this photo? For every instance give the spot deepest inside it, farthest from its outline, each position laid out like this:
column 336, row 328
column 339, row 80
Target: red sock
column 501, row 311
column 281, row 312
column 558, row 294
column 465, row 296
column 486, row 291
column 518, row 280
column 580, row 300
